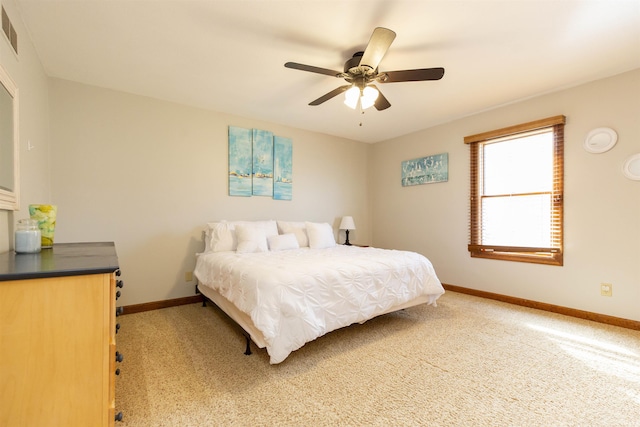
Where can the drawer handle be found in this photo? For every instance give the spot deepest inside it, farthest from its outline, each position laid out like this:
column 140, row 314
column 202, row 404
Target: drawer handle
column 119, row 311
column 119, row 356
column 119, row 284
column 118, row 272
column 118, row 371
column 118, row 294
column 117, row 327
column 119, row 416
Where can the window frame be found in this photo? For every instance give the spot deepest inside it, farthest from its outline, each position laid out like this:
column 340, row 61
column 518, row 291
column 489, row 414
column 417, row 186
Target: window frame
column 552, row 255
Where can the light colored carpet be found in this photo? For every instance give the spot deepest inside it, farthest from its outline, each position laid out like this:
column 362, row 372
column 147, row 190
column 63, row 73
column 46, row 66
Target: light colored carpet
column 468, row 362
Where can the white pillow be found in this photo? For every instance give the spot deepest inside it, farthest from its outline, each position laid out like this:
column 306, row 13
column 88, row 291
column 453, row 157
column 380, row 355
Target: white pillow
column 320, row 235
column 251, row 238
column 283, row 242
column 221, row 237
column 270, row 227
column 297, row 228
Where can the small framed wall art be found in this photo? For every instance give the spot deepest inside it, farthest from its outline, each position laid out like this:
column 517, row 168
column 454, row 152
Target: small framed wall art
column 425, row 170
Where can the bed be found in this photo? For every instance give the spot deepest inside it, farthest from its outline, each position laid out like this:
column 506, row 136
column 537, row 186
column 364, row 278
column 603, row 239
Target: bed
column 288, row 283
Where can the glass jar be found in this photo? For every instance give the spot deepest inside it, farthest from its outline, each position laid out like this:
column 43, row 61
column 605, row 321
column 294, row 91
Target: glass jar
column 28, row 237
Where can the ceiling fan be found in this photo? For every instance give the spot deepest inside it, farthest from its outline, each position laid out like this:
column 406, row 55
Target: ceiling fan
column 361, row 71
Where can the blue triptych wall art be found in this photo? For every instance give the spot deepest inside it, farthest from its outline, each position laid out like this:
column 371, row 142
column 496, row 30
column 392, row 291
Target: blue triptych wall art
column 260, row 164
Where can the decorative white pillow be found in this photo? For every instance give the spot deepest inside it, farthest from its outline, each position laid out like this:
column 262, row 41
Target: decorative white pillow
column 299, row 229
column 251, row 238
column 282, row 242
column 320, row 235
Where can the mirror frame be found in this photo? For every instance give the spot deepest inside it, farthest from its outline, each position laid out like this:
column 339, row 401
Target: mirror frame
column 10, row 200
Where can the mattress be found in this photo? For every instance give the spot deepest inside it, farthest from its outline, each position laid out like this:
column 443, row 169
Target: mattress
column 295, row 296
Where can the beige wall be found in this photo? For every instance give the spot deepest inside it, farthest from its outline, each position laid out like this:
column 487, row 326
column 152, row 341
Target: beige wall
column 148, row 175
column 602, row 207
column 28, row 75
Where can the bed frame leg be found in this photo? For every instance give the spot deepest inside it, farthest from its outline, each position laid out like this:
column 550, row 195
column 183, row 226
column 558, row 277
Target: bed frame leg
column 204, row 299
column 248, row 350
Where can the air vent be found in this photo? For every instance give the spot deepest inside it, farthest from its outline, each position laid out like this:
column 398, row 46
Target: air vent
column 9, row 31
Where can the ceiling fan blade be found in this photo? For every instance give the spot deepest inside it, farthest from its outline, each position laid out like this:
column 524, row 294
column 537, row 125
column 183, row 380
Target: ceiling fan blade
column 328, row 96
column 378, row 45
column 312, row 69
column 412, row 75
column 381, row 103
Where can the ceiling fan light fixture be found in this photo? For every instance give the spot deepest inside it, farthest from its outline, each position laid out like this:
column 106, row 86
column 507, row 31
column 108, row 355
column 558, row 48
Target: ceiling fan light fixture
column 351, row 97
column 369, row 96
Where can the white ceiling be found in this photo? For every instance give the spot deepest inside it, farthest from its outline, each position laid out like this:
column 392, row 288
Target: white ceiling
column 229, row 55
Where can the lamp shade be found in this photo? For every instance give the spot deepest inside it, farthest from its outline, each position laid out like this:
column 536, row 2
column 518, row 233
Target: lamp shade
column 347, row 223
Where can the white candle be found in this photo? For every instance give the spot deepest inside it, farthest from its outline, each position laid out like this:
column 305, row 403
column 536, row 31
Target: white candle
column 28, row 241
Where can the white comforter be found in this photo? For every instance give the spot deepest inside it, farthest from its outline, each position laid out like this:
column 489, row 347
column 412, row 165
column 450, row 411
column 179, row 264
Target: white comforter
column 296, row 296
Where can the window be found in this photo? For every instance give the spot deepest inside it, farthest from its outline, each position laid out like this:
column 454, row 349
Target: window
column 516, row 192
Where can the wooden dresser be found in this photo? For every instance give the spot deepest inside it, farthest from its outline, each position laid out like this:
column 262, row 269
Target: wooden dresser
column 58, row 356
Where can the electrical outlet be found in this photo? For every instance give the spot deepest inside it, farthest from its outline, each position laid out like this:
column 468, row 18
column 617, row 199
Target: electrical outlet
column 606, row 289
column 188, row 276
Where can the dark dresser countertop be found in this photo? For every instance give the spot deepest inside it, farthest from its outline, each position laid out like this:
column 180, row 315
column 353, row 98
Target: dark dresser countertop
column 63, row 259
